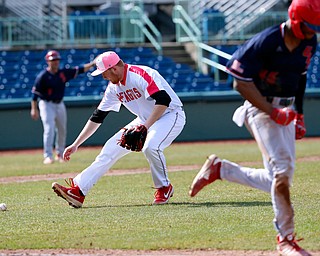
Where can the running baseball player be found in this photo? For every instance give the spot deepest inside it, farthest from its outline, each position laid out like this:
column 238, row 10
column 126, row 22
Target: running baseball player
column 49, row 89
column 159, row 120
column 270, row 73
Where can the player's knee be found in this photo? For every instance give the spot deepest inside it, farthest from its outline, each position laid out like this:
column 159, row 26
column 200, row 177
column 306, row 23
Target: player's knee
column 284, row 165
column 282, row 186
column 148, row 150
column 282, row 182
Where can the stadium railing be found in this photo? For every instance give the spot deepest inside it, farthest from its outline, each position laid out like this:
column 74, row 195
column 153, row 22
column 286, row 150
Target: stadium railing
column 80, row 29
column 93, row 28
column 85, row 30
column 188, row 32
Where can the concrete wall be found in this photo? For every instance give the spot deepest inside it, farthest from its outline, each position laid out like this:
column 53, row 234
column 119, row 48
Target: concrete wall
column 208, row 118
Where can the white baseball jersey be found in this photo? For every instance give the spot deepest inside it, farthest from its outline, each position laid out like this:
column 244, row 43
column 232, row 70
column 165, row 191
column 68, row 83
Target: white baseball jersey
column 134, row 92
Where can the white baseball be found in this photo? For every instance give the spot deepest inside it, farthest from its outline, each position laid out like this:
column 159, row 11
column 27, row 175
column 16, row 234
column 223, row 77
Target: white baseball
column 3, row 207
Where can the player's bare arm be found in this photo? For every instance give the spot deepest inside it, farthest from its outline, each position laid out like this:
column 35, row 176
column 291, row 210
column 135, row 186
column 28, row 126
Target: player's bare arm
column 87, row 66
column 249, row 91
column 89, row 129
column 34, row 110
column 86, row 132
column 163, row 100
column 155, row 115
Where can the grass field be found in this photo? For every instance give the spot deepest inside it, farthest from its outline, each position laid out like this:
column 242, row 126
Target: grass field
column 117, row 213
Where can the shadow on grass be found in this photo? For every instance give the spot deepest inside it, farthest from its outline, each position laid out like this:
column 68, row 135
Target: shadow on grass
column 116, row 206
column 189, row 204
column 224, row 204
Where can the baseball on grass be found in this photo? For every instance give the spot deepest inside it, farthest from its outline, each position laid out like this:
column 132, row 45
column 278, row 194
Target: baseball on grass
column 3, row 207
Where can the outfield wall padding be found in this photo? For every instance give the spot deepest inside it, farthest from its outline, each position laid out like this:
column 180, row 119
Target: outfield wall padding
column 209, row 117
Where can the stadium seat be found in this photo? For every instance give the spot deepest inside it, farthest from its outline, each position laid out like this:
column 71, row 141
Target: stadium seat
column 19, row 69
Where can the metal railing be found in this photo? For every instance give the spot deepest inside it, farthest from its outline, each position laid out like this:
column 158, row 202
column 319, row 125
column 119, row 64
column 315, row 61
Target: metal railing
column 213, row 30
column 187, row 32
column 118, row 29
column 133, row 27
column 213, row 60
column 143, row 22
column 214, row 25
column 75, row 30
column 80, row 30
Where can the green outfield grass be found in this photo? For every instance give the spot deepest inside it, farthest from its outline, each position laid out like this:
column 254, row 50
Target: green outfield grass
column 117, row 213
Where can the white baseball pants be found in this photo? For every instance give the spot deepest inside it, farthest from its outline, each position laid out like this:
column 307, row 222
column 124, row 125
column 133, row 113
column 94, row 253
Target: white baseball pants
column 277, row 145
column 160, row 135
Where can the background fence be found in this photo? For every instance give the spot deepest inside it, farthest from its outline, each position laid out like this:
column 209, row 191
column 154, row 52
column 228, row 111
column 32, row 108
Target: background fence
column 93, row 28
column 214, row 28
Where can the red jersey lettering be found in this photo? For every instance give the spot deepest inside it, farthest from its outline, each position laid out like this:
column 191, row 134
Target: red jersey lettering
column 137, row 93
column 120, row 97
column 129, row 95
column 268, row 76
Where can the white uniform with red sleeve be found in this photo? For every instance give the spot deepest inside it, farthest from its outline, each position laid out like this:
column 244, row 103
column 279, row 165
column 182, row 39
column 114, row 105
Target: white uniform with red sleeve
column 134, row 93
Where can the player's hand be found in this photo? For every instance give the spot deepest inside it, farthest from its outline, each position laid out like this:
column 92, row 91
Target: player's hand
column 68, row 151
column 300, row 126
column 283, row 116
column 34, row 113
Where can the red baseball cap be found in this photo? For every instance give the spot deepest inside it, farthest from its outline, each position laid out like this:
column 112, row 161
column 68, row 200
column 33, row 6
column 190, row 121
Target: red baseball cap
column 105, row 61
column 52, row 55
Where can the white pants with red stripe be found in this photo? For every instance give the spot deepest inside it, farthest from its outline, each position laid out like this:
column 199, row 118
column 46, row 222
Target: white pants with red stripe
column 160, row 135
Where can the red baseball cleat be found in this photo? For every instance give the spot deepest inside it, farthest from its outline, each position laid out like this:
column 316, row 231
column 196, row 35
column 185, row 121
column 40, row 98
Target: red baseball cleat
column 209, row 172
column 289, row 246
column 162, row 195
column 72, row 195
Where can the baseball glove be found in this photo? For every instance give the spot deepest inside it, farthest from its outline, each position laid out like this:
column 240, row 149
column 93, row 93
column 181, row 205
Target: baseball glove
column 133, row 139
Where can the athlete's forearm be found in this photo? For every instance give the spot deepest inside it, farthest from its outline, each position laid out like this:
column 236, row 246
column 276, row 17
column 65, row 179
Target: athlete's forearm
column 34, row 110
column 157, row 112
column 34, row 105
column 87, row 66
column 249, row 91
column 86, row 132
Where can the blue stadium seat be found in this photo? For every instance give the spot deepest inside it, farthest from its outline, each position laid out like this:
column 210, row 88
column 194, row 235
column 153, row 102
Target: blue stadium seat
column 313, row 74
column 143, row 52
column 18, row 71
column 179, row 86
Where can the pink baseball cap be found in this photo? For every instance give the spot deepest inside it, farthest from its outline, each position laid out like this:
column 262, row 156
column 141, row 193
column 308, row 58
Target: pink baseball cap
column 105, row 61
